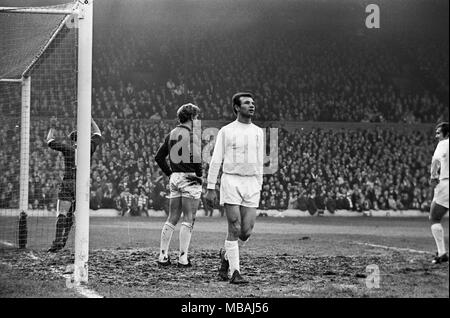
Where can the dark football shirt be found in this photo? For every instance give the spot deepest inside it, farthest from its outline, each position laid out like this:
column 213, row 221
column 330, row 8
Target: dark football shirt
column 68, row 151
column 183, row 138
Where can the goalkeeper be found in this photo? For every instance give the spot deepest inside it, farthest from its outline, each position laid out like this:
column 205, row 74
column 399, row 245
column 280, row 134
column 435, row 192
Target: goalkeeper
column 65, row 207
column 185, row 172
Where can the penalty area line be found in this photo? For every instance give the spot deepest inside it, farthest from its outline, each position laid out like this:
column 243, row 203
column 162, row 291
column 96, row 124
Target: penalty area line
column 393, row 248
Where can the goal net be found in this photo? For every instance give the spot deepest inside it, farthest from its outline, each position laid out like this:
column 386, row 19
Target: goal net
column 38, row 82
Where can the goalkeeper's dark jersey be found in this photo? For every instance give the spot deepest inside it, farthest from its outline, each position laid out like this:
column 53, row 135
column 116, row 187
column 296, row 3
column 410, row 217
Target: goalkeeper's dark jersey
column 69, row 153
column 181, row 136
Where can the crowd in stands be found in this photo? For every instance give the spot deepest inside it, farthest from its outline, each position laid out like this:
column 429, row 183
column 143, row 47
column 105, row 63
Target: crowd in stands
column 319, row 169
column 300, row 68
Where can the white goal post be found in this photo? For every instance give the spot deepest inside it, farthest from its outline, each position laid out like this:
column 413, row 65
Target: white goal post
column 82, row 12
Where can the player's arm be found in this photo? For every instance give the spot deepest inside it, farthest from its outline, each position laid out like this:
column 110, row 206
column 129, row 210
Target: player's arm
column 216, row 160
column 435, row 166
column 51, row 132
column 197, row 179
column 52, row 143
column 197, row 155
column 50, row 136
column 161, row 155
column 94, row 128
column 96, row 138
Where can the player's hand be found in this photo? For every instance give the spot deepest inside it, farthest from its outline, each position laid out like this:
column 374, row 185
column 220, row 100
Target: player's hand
column 434, row 182
column 211, row 196
column 194, row 179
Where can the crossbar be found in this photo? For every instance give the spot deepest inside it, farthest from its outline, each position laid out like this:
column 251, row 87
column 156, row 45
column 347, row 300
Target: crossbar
column 11, row 80
column 37, row 10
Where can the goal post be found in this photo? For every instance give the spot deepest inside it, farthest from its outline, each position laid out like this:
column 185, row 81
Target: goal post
column 19, row 68
column 24, row 159
column 85, row 28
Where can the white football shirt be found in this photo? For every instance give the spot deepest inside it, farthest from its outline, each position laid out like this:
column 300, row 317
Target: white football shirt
column 241, row 149
column 441, row 154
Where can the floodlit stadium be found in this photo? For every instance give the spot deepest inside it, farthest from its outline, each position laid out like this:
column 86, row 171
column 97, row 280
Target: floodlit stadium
column 347, row 195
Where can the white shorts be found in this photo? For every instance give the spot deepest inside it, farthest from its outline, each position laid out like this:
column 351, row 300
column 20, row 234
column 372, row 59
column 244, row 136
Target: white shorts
column 441, row 193
column 240, row 190
column 181, row 187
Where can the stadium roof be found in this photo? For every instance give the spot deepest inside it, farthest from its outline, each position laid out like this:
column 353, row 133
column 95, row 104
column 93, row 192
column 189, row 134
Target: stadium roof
column 24, row 37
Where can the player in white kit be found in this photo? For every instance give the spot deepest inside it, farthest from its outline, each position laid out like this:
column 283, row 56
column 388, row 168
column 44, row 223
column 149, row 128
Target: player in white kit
column 439, row 181
column 240, row 147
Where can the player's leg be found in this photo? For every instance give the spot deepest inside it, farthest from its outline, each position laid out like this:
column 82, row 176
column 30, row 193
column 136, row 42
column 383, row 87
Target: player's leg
column 68, row 224
column 168, row 228
column 62, row 207
column 189, row 207
column 248, row 218
column 173, row 217
column 233, row 215
column 251, row 194
column 230, row 258
column 206, row 206
column 231, row 199
column 190, row 199
column 70, row 187
column 439, row 207
column 437, row 212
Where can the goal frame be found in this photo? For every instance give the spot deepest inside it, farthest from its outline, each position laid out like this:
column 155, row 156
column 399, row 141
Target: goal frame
column 82, row 12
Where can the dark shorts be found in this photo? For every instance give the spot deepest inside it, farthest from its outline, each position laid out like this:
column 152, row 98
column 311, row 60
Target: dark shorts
column 67, row 190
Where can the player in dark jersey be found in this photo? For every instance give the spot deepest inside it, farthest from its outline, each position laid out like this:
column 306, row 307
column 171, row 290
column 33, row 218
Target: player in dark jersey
column 66, row 196
column 183, row 148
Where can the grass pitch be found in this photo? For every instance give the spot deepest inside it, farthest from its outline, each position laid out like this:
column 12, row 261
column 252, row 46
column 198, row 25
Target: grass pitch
column 285, row 257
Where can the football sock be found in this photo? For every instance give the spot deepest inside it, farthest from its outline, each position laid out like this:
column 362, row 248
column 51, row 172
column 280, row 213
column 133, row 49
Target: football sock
column 166, row 236
column 438, row 233
column 185, row 239
column 232, row 254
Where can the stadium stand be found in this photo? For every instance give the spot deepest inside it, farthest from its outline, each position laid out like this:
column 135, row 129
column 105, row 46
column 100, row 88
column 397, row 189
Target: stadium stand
column 298, row 71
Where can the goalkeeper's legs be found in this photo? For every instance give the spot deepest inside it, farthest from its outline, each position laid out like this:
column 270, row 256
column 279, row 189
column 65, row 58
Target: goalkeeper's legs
column 68, row 224
column 62, row 207
column 167, row 230
column 189, row 208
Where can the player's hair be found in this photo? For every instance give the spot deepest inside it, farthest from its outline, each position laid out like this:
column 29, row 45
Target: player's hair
column 186, row 112
column 73, row 136
column 236, row 99
column 444, row 128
